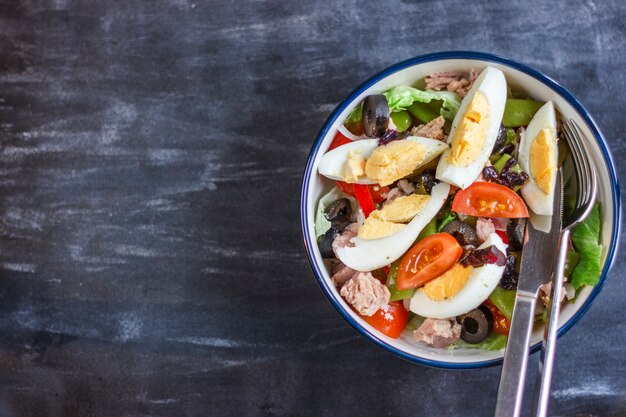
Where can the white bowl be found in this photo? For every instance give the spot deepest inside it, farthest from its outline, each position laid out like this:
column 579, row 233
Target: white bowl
column 539, row 87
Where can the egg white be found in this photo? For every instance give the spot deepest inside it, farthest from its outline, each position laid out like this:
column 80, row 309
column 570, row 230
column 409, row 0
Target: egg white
column 492, row 84
column 367, row 255
column 481, row 282
column 333, row 162
column 539, row 202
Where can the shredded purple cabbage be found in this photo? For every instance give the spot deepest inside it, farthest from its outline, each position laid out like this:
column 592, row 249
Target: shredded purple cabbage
column 507, row 177
column 392, row 135
column 481, row 257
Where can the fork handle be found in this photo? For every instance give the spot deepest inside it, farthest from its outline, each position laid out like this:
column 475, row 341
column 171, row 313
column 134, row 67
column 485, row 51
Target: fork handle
column 546, row 361
column 513, row 376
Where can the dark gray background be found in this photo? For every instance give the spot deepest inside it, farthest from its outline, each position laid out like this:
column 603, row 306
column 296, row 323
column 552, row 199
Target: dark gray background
column 151, row 262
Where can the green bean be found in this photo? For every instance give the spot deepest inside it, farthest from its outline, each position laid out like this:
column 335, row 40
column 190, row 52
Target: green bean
column 499, row 164
column 519, row 112
column 422, row 112
column 392, row 284
column 402, row 120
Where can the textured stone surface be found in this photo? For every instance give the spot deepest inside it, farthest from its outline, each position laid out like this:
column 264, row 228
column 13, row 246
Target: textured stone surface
column 151, row 262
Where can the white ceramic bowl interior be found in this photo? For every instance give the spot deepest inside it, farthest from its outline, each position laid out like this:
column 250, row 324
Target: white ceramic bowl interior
column 315, row 186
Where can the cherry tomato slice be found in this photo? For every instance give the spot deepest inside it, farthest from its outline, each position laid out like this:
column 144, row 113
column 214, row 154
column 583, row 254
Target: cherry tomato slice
column 501, row 324
column 338, row 140
column 486, row 199
column 427, row 260
column 389, row 320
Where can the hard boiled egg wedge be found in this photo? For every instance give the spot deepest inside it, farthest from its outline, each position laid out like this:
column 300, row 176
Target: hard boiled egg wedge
column 474, row 130
column 538, row 156
column 481, row 282
column 348, row 162
column 367, row 255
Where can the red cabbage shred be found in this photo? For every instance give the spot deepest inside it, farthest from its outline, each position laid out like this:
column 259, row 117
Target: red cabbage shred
column 486, row 256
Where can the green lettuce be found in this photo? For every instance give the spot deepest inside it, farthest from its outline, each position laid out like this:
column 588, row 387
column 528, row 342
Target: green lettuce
column 401, row 97
column 570, row 262
column 321, row 222
column 494, row 341
column 586, row 240
column 355, row 115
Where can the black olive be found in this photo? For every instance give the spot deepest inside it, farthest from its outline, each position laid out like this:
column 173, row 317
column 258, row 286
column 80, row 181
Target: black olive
column 510, row 277
column 462, row 232
column 515, row 233
column 425, row 182
column 500, row 140
column 375, row 115
column 339, row 214
column 325, row 242
column 476, row 325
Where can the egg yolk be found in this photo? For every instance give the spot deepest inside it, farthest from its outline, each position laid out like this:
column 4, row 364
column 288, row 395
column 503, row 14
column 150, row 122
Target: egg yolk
column 354, row 167
column 402, row 209
column 388, row 220
column 374, row 228
column 541, row 167
column 448, row 284
column 471, row 133
column 395, row 160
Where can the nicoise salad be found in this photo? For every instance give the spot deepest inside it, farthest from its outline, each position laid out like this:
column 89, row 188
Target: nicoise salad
column 432, row 186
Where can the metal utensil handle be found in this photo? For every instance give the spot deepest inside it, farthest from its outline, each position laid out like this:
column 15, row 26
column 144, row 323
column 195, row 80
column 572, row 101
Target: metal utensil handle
column 546, row 362
column 513, row 376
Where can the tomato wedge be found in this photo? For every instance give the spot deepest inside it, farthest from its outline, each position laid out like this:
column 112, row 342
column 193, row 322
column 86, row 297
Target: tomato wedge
column 338, row 140
column 486, row 199
column 427, row 260
column 389, row 320
column 501, row 324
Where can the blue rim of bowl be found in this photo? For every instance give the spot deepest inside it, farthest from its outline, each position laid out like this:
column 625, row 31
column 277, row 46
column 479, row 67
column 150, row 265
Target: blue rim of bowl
column 437, row 56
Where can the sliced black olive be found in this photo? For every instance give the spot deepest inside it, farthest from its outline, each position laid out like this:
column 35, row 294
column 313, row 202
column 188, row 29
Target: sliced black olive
column 462, row 232
column 339, row 214
column 425, row 182
column 325, row 243
column 375, row 115
column 515, row 233
column 476, row 325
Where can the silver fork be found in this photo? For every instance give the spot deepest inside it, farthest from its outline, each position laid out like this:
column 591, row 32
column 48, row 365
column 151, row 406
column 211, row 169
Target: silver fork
column 586, row 190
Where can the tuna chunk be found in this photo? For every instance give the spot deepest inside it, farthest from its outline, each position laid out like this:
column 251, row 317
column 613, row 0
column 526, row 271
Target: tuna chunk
column 500, row 223
column 484, row 228
column 343, row 240
column 406, row 187
column 393, row 194
column 432, row 129
column 438, row 333
column 342, row 274
column 455, row 82
column 366, row 294
column 546, row 289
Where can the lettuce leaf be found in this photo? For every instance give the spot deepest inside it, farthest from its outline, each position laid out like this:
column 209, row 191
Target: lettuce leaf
column 494, row 341
column 321, row 222
column 586, row 240
column 355, row 115
column 402, row 96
